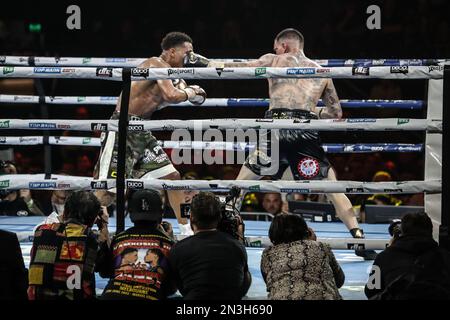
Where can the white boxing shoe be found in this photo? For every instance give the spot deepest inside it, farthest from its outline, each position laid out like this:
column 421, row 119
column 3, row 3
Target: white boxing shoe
column 185, row 229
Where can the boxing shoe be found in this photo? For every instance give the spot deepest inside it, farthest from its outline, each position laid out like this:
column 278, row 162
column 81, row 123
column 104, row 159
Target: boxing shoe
column 358, row 233
column 185, row 229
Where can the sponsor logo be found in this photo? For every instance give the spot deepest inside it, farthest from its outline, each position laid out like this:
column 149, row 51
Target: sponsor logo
column 23, row 98
column 356, row 246
column 86, row 140
column 354, row 190
column 365, row 120
column 116, row 60
column 172, row 187
column 47, row 70
column 81, row 99
column 360, row 71
column 393, row 190
column 63, row 185
column 7, row 70
column 286, row 190
column 41, row 185
column 2, row 139
column 99, row 126
column 99, row 185
column 135, row 184
column 301, row 71
column 139, row 72
column 435, row 68
column 378, row 62
column 180, row 71
column 323, row 70
column 308, row 167
column 301, row 121
column 402, row 121
column 260, row 72
column 4, row 124
column 22, row 139
column 254, row 188
column 68, row 70
column 42, row 125
column 255, row 244
column 136, row 127
column 108, row 98
column 63, row 126
column 4, row 184
column 86, row 60
column 409, row 148
column 168, row 127
column 223, row 70
column 2, row 59
column 339, row 120
column 264, row 120
column 399, row 69
column 104, row 72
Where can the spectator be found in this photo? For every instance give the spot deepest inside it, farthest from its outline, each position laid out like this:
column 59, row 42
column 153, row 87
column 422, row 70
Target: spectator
column 296, row 266
column 63, row 255
column 272, row 203
column 211, row 264
column 413, row 266
column 137, row 261
column 16, row 202
column 12, row 268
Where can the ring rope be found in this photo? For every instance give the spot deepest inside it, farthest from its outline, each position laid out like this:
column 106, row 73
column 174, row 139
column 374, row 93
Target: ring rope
column 134, row 62
column 210, row 145
column 211, row 102
column 59, row 182
column 351, row 124
column 403, row 72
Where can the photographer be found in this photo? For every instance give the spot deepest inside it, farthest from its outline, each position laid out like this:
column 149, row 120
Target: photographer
column 63, row 255
column 137, row 262
column 211, row 264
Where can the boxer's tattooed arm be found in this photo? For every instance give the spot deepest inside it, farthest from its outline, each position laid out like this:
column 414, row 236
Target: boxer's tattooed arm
column 264, row 61
column 331, row 100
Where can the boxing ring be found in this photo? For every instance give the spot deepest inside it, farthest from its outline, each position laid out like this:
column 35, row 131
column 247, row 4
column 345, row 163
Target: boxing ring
column 118, row 69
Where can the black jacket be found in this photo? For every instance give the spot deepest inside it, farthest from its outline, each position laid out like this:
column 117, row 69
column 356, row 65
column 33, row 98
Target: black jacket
column 13, row 274
column 400, row 257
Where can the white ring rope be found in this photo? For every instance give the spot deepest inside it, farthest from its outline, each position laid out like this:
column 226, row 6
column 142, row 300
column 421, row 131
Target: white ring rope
column 36, row 181
column 405, row 72
column 353, row 124
column 134, row 62
column 208, row 145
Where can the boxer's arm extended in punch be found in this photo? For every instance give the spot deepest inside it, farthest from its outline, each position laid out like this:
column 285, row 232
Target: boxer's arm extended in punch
column 330, row 98
column 264, row 61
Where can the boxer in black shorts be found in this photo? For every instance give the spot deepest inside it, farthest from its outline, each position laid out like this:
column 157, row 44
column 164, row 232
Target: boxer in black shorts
column 300, row 150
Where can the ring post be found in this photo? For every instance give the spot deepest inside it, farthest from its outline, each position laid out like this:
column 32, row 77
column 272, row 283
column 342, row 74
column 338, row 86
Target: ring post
column 123, row 129
column 444, row 237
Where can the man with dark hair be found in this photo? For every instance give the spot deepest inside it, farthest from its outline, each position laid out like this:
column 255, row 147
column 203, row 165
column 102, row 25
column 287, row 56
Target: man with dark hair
column 413, row 266
column 301, row 156
column 64, row 254
column 136, row 261
column 210, row 264
column 145, row 157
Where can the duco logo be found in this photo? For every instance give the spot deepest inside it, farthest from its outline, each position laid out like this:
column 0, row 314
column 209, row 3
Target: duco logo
column 135, row 184
column 135, row 127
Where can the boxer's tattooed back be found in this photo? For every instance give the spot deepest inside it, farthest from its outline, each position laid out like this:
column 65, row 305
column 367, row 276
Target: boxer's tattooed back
column 298, row 93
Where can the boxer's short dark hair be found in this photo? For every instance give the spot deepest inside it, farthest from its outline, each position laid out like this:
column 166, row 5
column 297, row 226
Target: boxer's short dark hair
column 290, row 33
column 174, row 39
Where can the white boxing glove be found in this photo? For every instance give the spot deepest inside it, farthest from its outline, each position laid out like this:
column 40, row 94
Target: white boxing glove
column 195, row 94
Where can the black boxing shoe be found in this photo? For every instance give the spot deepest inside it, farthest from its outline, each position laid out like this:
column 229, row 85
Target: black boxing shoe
column 366, row 254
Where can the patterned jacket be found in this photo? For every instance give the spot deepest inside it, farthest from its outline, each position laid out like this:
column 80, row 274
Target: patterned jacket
column 301, row 270
column 62, row 262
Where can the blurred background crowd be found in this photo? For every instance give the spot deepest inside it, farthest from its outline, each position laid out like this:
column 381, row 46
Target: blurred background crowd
column 226, row 29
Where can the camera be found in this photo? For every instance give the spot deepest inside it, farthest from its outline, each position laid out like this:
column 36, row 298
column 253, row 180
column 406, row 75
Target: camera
column 231, row 221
